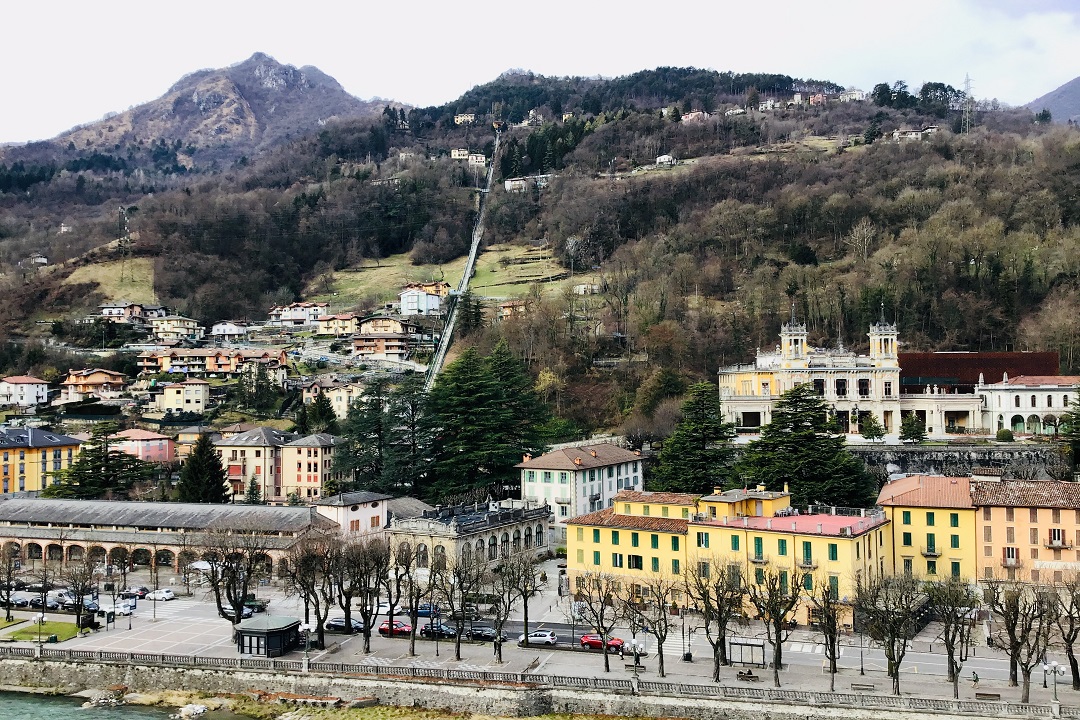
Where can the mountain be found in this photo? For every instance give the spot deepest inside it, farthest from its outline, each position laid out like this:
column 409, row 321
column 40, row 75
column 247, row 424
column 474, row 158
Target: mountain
column 1063, row 102
column 217, row 115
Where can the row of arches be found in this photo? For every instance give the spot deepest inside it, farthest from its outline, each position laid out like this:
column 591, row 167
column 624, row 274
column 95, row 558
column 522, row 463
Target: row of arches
column 1031, row 425
column 116, row 556
column 493, row 548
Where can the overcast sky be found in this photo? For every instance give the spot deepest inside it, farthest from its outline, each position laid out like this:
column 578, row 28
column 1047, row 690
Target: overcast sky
column 66, row 63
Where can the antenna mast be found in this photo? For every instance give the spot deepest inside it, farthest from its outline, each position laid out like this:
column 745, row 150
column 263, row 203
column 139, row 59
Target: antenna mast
column 969, row 106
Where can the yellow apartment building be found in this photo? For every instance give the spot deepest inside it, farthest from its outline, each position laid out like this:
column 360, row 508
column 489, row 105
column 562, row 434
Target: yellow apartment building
column 28, row 456
column 933, row 526
column 1027, row 529
column 752, row 530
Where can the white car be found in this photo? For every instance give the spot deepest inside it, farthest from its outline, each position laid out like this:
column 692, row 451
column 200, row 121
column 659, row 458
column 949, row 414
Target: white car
column 118, row 609
column 162, row 594
column 540, row 637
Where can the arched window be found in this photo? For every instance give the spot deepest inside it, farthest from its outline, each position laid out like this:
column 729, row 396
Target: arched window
column 1049, row 401
column 440, row 558
column 517, row 540
column 1016, row 401
column 539, row 536
column 493, row 548
column 466, row 552
column 528, row 537
column 480, row 549
column 1032, row 401
column 421, row 555
column 404, row 553
column 505, row 550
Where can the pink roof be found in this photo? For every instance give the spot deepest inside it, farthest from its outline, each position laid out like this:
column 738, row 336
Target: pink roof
column 23, row 380
column 820, row 524
column 1060, row 380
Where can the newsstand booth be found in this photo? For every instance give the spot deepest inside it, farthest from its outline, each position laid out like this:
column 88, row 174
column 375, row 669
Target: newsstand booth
column 268, row 635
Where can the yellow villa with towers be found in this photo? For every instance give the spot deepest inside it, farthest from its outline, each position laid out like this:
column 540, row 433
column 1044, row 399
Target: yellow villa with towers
column 745, row 530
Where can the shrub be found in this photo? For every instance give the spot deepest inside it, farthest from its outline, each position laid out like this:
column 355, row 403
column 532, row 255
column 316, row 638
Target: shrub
column 1004, row 435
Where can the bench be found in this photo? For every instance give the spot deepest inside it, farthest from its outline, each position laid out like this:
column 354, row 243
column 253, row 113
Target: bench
column 867, row 687
column 748, row 678
column 631, row 666
column 987, row 696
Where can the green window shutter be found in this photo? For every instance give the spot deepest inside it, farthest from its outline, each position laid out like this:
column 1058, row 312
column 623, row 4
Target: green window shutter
column 654, row 541
column 954, row 519
column 581, row 557
column 807, row 552
column 675, row 543
column 735, row 543
column 656, row 564
column 759, row 549
column 634, row 539
column 834, row 587
column 833, row 552
column 781, row 547
column 596, row 557
column 675, row 567
column 906, row 539
column 931, row 542
column 596, row 536
column 930, row 519
column 955, row 569
column 808, row 582
column 954, row 541
column 907, row 517
column 759, row 575
column 614, row 537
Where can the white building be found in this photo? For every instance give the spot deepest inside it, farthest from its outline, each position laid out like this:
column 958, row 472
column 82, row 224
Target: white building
column 23, row 390
column 417, row 302
column 356, row 512
column 1028, row 404
column 298, row 314
column 579, row 480
column 228, row 331
column 477, row 160
column 192, row 395
column 852, row 95
column 459, row 154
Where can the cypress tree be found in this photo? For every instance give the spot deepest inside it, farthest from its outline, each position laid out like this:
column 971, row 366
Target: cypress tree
column 203, row 479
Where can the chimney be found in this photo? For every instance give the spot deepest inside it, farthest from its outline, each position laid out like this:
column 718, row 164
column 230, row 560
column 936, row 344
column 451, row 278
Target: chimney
column 768, row 524
column 785, row 488
column 577, row 461
column 760, row 488
column 638, row 453
column 717, row 490
column 593, row 453
column 526, row 457
column 746, row 522
column 793, row 526
column 819, row 529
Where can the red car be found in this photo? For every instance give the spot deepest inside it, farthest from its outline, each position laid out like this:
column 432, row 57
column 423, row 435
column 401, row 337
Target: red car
column 595, row 642
column 400, row 628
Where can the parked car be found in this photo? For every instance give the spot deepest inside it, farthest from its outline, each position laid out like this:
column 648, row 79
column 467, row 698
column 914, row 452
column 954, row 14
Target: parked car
column 427, row 610
column 338, row 624
column 161, row 594
column 134, row 592
column 400, row 628
column 485, row 633
column 19, row 601
column 592, row 641
column 540, row 637
column 441, row 630
column 40, row 587
column 118, row 609
column 50, row 604
column 467, row 612
column 228, row 613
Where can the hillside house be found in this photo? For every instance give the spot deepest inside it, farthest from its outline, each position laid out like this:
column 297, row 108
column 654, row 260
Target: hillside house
column 92, row 382
column 192, row 395
column 146, row 445
column 228, row 331
column 818, row 100
column 29, row 456
column 297, row 314
column 356, row 512
column 697, row 116
column 477, row 160
column 914, row 134
column 255, row 454
column 187, row 437
column 23, row 391
column 338, row 325
column 525, row 184
column 852, row 95
column 512, row 308
column 130, row 312
column 433, row 287
column 414, row 301
column 578, row 480
column 459, row 154
column 465, row 118
column 307, row 466
column 341, row 394
column 202, row 362
column 665, row 161
column 176, row 327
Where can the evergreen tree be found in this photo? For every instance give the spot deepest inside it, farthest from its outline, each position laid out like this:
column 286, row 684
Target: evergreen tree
column 474, row 428
column 527, row 412
column 409, row 439
column 698, row 455
column 911, row 429
column 203, row 479
column 321, row 416
column 253, row 494
column 1069, row 433
column 99, row 470
column 361, row 457
column 256, row 390
column 871, row 428
column 800, row 448
column 301, row 423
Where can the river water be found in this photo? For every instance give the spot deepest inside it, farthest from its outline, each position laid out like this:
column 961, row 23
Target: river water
column 20, row 706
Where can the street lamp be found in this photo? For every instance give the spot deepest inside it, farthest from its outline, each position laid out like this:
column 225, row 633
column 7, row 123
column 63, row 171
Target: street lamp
column 306, row 628
column 41, row 623
column 1054, row 669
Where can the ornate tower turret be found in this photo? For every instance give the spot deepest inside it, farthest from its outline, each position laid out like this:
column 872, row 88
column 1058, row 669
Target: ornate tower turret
column 883, row 336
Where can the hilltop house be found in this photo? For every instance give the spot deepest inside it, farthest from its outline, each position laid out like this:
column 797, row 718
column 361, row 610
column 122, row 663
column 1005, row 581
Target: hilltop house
column 414, row 301
column 213, row 362
column 146, row 445
column 338, row 325
column 176, row 327
column 191, row 395
column 92, row 382
column 297, row 314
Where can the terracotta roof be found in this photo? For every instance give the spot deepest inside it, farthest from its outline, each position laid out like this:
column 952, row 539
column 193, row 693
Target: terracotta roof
column 1026, row 493
column 821, row 524
column 564, row 459
column 663, row 498
column 23, row 380
column 963, row 368
column 609, row 518
column 1058, row 380
column 927, row 491
column 138, row 434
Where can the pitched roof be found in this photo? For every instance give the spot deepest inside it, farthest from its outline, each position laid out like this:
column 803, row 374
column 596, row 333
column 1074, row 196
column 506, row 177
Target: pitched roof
column 663, row 498
column 609, row 518
column 581, row 457
column 927, row 491
column 259, row 437
column 1026, row 493
column 1057, row 380
column 138, row 434
column 31, row 438
column 358, row 497
column 23, row 380
column 314, row 440
column 407, row 507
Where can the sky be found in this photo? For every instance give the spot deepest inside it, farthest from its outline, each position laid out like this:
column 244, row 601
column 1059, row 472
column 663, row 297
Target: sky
column 66, row 63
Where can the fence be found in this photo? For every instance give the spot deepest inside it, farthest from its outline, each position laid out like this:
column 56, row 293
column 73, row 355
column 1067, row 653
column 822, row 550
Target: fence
column 643, row 687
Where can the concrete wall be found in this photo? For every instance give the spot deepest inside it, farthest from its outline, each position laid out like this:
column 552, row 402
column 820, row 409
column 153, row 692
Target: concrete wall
column 488, row 698
column 947, row 459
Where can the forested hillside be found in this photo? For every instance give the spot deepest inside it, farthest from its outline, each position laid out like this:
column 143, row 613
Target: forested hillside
column 968, row 240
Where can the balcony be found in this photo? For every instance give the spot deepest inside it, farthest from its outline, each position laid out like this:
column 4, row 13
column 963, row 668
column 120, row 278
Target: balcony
column 1010, row 562
column 931, row 552
column 1059, row 543
column 806, row 564
column 759, row 559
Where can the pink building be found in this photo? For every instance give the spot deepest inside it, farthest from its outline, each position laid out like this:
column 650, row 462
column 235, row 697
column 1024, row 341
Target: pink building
column 146, row 445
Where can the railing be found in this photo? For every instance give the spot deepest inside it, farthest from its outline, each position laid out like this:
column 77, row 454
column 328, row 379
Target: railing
column 663, row 689
column 931, row 552
column 1058, row 543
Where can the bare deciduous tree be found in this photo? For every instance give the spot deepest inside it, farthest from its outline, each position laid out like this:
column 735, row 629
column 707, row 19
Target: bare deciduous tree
column 889, row 606
column 364, row 564
column 719, row 596
column 10, row 563
column 1026, row 615
column 524, row 570
column 462, row 578
column 953, row 602
column 598, row 594
column 649, row 603
column 1068, row 621
column 310, row 574
column 237, row 559
column 775, row 596
column 827, row 608
column 861, row 237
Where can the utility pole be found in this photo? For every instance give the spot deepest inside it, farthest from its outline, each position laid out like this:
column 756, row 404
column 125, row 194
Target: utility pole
column 969, row 107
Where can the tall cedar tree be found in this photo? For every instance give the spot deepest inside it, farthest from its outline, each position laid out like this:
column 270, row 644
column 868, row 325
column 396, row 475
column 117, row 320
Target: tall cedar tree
column 202, row 479
column 799, row 448
column 408, row 438
column 99, row 470
column 361, row 456
column 321, row 417
column 485, row 415
column 698, row 455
